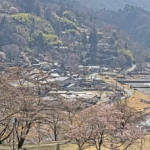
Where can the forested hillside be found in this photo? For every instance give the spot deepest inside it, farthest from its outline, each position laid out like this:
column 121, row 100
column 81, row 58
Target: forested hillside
column 133, row 20
column 115, row 4
column 67, row 32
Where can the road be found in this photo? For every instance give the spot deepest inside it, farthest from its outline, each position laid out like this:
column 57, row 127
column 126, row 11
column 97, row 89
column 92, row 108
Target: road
column 92, row 76
column 127, row 91
column 131, row 69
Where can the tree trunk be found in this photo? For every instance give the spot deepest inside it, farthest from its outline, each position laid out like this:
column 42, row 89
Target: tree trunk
column 100, row 144
column 55, row 134
column 58, row 147
column 79, row 147
column 20, row 143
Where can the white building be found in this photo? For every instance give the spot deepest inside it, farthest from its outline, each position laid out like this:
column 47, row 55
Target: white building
column 94, row 69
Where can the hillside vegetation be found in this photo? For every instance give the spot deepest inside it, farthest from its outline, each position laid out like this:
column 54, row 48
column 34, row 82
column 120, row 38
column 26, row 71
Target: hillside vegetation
column 66, row 29
column 115, row 4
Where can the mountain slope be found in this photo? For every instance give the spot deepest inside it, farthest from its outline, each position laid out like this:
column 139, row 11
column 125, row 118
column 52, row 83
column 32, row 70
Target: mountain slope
column 115, row 4
column 65, row 33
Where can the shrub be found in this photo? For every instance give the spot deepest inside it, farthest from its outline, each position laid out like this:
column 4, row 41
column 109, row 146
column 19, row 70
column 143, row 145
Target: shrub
column 67, row 24
column 72, row 32
column 22, row 17
column 127, row 53
column 69, row 16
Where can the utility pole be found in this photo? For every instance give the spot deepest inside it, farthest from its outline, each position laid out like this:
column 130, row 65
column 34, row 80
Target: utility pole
column 13, row 137
column 13, row 120
column 39, row 135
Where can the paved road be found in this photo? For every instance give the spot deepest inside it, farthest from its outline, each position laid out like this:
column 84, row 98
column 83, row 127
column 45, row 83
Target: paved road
column 127, row 91
column 92, row 76
column 131, row 69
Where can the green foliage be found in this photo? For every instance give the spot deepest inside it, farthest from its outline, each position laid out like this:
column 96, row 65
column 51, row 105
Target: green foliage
column 72, row 32
column 127, row 53
column 50, row 37
column 37, row 31
column 69, row 16
column 51, row 40
column 93, row 38
column 22, row 17
column 84, row 39
column 67, row 24
column 29, row 51
column 40, row 24
column 39, row 35
column 56, row 43
column 99, row 35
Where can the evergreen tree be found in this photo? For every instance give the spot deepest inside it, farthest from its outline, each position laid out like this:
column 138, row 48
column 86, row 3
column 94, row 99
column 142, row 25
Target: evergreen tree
column 3, row 21
column 84, row 39
column 32, row 28
column 115, row 35
column 40, row 41
column 62, row 9
column 37, row 10
column 126, row 46
column 47, row 14
column 93, row 39
column 28, row 5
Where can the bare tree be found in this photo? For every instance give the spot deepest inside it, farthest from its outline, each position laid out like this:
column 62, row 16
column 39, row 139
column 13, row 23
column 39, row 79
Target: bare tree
column 54, row 120
column 8, row 102
column 71, row 108
column 12, row 51
column 29, row 106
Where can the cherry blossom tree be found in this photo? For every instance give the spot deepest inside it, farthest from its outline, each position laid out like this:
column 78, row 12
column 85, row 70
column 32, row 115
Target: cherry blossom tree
column 106, row 126
column 80, row 132
column 128, row 133
column 104, row 119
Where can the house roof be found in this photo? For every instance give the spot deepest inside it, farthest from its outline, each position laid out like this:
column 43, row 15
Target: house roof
column 84, row 96
column 55, row 75
column 57, row 92
column 103, row 44
column 62, row 78
column 70, row 85
column 94, row 67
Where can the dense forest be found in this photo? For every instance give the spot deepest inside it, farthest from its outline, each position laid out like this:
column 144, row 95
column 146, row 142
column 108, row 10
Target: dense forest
column 115, row 4
column 70, row 33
